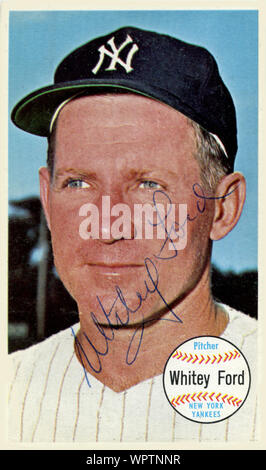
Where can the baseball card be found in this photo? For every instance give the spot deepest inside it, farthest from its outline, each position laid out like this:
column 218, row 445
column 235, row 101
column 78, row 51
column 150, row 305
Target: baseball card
column 132, row 240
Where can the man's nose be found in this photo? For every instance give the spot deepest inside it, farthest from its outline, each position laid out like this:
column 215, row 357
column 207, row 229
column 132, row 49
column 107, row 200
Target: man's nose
column 116, row 219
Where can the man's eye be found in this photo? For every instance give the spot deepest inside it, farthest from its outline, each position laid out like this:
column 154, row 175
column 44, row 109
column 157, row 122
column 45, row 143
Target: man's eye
column 77, row 183
column 149, row 185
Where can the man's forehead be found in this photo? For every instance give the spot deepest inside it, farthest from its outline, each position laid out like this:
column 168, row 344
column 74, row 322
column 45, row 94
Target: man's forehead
column 122, row 129
column 127, row 108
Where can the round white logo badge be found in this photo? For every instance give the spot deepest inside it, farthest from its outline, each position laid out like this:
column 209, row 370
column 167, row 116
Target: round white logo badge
column 206, row 379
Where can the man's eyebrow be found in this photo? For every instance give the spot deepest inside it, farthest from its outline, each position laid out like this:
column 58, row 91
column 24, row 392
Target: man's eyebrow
column 74, row 171
column 150, row 172
column 130, row 174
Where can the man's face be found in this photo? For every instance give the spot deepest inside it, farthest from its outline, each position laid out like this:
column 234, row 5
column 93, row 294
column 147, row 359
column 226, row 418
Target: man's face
column 125, row 147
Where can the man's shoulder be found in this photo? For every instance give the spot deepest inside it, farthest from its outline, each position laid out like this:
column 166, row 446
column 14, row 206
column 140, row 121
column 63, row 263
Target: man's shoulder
column 63, row 340
column 235, row 313
column 241, row 329
column 236, row 317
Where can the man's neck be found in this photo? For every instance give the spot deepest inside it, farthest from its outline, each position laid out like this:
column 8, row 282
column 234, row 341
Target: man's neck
column 122, row 357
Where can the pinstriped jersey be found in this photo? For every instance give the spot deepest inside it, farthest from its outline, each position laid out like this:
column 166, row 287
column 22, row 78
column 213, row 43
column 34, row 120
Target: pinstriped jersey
column 51, row 399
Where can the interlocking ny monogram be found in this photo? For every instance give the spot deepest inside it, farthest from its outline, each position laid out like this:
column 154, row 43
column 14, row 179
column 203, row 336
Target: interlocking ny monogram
column 114, row 54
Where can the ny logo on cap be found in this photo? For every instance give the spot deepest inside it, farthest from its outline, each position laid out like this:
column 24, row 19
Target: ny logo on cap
column 114, row 54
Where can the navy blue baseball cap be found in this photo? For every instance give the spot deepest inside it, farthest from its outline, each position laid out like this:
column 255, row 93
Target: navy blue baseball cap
column 181, row 75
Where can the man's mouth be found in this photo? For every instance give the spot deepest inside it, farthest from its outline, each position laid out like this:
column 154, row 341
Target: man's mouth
column 115, row 269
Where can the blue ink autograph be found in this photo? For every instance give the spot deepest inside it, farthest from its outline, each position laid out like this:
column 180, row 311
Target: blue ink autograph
column 151, row 287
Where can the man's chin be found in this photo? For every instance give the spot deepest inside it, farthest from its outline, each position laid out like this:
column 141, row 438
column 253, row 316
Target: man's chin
column 106, row 282
column 116, row 305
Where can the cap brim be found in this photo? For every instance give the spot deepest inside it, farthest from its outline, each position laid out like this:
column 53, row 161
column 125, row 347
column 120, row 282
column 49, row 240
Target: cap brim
column 33, row 114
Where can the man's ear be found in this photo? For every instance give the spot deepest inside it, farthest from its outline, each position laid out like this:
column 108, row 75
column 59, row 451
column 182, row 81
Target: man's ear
column 229, row 201
column 44, row 177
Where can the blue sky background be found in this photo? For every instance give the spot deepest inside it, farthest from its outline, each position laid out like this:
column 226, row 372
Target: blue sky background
column 39, row 40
